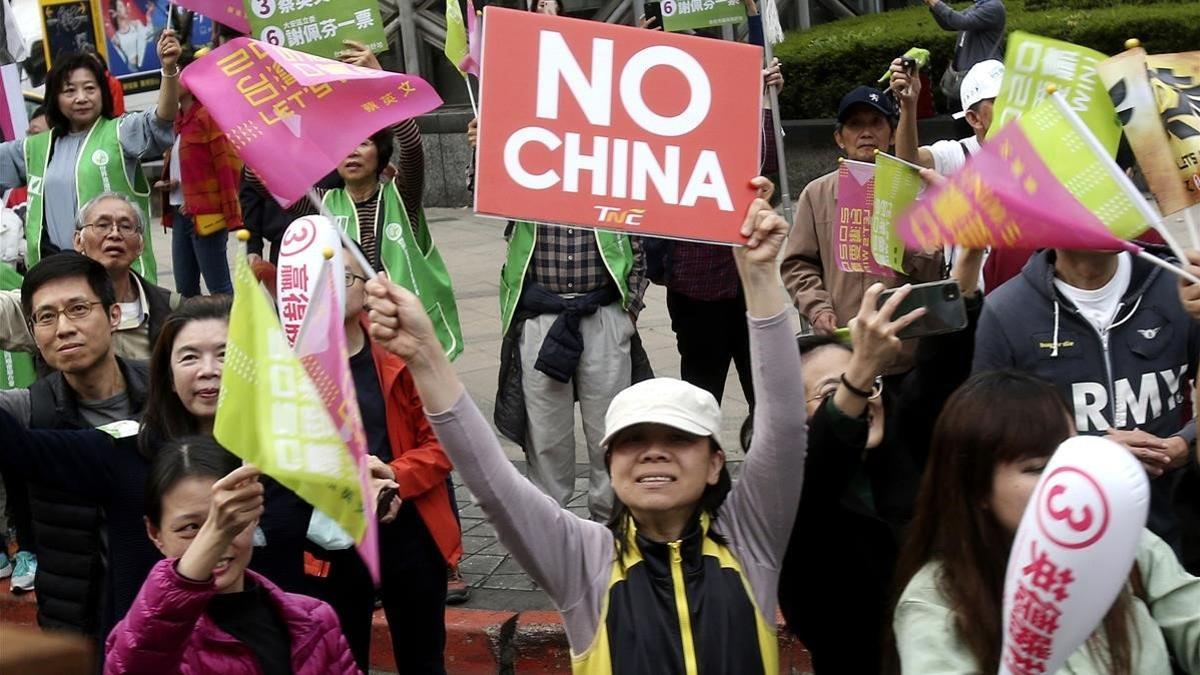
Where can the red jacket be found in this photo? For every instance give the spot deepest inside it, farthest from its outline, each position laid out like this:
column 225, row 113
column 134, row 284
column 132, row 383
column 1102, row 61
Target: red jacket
column 420, row 464
column 167, row 631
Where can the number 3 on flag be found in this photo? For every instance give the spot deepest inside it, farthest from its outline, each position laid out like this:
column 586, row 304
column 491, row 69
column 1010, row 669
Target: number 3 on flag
column 263, row 9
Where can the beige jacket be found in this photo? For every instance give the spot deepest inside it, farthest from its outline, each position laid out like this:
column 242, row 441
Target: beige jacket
column 812, row 276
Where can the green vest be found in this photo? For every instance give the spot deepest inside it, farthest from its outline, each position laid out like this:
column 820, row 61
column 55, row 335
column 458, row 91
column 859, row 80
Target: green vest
column 100, row 168
column 615, row 251
column 411, row 259
column 16, row 368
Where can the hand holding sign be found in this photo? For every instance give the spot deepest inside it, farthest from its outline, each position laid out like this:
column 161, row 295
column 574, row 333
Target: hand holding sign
column 1072, row 552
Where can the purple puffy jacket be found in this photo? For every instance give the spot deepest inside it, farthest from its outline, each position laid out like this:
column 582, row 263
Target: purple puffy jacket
column 167, row 631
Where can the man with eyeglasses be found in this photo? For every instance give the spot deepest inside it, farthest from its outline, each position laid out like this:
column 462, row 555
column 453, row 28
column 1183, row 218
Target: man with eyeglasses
column 108, row 229
column 72, row 313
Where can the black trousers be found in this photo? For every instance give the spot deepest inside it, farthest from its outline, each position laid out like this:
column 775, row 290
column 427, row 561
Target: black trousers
column 413, row 591
column 709, row 334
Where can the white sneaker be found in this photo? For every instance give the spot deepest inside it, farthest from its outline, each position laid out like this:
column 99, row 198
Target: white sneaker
column 6, row 567
column 24, row 572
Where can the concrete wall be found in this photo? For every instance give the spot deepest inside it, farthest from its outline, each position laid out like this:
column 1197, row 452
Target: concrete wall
column 811, row 151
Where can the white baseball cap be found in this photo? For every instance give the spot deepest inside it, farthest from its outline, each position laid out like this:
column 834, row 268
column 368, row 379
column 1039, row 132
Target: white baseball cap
column 663, row 400
column 981, row 82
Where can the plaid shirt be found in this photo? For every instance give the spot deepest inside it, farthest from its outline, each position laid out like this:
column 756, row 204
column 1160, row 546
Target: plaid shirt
column 703, row 271
column 567, row 260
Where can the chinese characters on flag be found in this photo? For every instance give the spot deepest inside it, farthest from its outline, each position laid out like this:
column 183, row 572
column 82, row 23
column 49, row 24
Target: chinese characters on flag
column 293, row 116
column 852, row 229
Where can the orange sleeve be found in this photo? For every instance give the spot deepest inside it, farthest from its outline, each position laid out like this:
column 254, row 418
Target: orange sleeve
column 425, row 465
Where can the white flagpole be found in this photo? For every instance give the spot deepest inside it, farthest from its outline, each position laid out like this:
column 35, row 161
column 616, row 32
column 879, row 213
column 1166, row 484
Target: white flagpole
column 1148, row 212
column 772, row 33
column 470, row 94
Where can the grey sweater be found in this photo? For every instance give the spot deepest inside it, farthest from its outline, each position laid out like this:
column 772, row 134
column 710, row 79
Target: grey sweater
column 572, row 558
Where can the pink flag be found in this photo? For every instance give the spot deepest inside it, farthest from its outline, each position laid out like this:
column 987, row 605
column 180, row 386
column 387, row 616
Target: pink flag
column 293, row 116
column 1005, row 197
column 232, row 13
column 322, row 349
column 852, row 224
column 470, row 63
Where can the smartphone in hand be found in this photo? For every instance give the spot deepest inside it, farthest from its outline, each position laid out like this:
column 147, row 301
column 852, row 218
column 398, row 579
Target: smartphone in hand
column 654, row 13
column 945, row 311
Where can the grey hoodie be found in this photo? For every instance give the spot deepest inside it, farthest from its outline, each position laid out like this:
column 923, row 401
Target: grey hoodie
column 1138, row 379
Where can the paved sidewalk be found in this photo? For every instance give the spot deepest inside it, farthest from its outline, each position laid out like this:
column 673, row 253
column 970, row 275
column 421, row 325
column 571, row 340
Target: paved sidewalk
column 473, row 249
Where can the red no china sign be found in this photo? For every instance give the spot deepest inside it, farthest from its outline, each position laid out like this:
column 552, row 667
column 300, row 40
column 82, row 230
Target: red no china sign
column 589, row 124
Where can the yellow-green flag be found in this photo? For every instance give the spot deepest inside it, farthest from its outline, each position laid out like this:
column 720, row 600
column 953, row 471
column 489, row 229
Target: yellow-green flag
column 1032, row 62
column 270, row 414
column 456, row 35
column 896, row 186
column 1077, row 158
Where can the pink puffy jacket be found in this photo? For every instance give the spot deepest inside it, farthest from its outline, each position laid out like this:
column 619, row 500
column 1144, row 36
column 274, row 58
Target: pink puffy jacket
column 167, row 631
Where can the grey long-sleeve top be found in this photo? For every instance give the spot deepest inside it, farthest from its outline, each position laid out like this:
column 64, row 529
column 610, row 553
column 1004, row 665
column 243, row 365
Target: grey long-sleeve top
column 572, row 558
column 142, row 135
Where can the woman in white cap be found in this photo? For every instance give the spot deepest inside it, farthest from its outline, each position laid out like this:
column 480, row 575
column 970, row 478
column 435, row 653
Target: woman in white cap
column 683, row 578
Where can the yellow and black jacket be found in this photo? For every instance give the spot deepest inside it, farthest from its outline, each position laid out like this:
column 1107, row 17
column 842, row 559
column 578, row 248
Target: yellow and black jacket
column 693, row 606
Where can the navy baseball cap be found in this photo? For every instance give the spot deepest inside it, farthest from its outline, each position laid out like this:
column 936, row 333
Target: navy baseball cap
column 868, row 96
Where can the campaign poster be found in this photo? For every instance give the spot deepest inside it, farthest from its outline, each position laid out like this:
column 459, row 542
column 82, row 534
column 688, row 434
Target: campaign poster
column 612, row 127
column 315, row 26
column 71, row 26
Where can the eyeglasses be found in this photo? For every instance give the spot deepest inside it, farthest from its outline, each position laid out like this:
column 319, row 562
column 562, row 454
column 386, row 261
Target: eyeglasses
column 876, row 391
column 44, row 318
column 351, row 277
column 124, row 227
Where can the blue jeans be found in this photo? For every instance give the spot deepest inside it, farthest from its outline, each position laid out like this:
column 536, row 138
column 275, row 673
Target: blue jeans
column 193, row 255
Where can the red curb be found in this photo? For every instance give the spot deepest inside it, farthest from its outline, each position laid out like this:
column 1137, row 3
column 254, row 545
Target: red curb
column 540, row 644
column 478, row 642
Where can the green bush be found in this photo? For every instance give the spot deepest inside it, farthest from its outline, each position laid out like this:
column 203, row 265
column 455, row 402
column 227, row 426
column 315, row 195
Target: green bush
column 821, row 64
column 1092, row 4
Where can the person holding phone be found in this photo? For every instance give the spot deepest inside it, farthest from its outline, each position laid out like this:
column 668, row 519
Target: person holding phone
column 863, row 467
column 825, row 294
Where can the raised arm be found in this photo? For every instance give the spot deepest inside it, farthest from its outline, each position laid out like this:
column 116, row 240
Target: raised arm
column 979, row 16
column 410, row 177
column 75, row 461
column 762, row 506
column 907, row 90
column 561, row 551
column 168, row 90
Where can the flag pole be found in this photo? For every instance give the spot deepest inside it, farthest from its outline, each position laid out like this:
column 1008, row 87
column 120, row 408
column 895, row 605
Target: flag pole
column 347, row 242
column 781, row 157
column 1174, row 269
column 1148, row 212
column 471, row 94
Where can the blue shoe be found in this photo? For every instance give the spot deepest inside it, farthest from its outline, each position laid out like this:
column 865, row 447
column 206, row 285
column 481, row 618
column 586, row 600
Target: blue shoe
column 5, row 566
column 24, row 572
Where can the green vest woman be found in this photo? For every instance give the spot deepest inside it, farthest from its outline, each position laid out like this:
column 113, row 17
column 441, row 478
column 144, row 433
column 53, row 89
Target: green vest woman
column 386, row 219
column 87, row 151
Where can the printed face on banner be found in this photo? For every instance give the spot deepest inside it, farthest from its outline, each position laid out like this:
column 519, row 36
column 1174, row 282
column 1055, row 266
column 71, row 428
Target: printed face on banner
column 616, row 128
column 132, row 28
